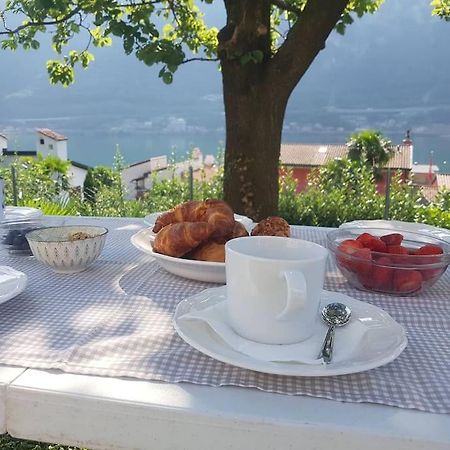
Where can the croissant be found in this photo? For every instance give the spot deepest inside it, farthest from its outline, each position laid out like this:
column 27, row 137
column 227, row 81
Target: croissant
column 209, row 251
column 220, row 218
column 184, row 212
column 177, row 239
column 216, row 213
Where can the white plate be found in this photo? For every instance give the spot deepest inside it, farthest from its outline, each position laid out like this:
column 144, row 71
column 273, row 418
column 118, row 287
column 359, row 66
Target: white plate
column 212, row 272
column 246, row 221
column 21, row 213
column 12, row 283
column 397, row 225
column 384, row 340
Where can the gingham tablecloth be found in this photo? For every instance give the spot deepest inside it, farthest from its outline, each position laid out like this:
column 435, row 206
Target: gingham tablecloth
column 115, row 320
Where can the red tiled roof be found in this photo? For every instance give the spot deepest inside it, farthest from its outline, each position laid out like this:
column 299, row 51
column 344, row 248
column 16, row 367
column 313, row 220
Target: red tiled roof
column 429, row 192
column 443, row 180
column 51, row 134
column 315, row 155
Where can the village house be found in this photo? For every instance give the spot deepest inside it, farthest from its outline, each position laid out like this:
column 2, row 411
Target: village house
column 138, row 177
column 301, row 159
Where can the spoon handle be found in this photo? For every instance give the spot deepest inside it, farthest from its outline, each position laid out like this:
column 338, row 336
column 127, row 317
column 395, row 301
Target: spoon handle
column 327, row 347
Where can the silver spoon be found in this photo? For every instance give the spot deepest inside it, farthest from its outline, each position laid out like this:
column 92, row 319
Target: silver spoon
column 334, row 315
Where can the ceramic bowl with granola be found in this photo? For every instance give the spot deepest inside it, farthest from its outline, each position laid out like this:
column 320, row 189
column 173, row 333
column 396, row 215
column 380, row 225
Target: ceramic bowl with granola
column 67, row 249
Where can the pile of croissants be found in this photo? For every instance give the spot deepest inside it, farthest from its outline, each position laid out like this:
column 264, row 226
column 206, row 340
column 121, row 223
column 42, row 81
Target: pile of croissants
column 199, row 230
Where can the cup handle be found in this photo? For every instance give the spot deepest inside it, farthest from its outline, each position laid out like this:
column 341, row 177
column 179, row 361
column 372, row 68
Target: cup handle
column 296, row 293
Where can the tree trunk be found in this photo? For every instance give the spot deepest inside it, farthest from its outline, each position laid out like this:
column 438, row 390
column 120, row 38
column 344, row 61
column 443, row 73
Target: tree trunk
column 254, row 113
column 256, row 86
column 254, row 109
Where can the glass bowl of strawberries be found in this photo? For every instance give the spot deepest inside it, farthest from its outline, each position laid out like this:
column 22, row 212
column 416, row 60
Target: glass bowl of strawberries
column 396, row 262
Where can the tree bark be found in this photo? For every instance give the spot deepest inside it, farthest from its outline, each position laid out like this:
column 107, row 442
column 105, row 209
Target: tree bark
column 256, row 94
column 254, row 113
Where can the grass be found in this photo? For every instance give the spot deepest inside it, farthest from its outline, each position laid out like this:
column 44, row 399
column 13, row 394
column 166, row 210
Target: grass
column 9, row 443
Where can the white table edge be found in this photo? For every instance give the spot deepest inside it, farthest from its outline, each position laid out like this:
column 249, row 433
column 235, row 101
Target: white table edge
column 109, row 413
column 7, row 375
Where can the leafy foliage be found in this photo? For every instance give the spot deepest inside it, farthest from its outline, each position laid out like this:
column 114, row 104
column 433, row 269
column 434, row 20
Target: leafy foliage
column 157, row 32
column 37, row 180
column 371, row 147
column 342, row 191
column 97, row 178
column 441, row 9
column 345, row 190
column 163, row 32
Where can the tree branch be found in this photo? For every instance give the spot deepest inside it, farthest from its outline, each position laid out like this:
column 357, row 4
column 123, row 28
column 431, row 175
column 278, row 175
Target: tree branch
column 41, row 23
column 199, row 59
column 135, row 4
column 286, row 7
column 304, row 41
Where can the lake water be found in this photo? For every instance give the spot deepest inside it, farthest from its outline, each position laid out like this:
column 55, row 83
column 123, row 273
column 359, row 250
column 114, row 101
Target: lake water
column 93, row 149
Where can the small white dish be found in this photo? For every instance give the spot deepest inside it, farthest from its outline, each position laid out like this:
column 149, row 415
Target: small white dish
column 211, row 272
column 246, row 221
column 12, row 283
column 383, row 341
column 397, row 226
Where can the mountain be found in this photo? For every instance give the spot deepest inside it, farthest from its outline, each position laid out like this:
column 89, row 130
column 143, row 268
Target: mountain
column 390, row 71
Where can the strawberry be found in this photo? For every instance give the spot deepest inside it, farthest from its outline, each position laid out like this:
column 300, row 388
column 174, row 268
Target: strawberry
column 366, row 280
column 397, row 250
column 406, row 281
column 347, row 247
column 429, row 250
column 382, row 274
column 364, row 238
column 352, row 256
column 372, row 242
column 392, row 239
column 350, row 243
column 363, row 263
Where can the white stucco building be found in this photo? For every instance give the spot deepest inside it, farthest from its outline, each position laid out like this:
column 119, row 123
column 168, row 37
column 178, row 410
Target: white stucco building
column 138, row 177
column 3, row 142
column 51, row 143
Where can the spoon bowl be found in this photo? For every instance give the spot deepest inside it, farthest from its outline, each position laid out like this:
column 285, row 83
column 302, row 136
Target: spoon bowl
column 334, row 315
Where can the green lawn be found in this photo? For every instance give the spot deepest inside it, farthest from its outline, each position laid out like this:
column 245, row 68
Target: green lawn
column 9, row 443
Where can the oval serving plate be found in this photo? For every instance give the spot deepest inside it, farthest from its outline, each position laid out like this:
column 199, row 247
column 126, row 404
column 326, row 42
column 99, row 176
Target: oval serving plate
column 211, row 272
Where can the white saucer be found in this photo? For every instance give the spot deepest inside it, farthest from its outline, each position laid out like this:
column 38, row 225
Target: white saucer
column 12, row 283
column 211, row 272
column 384, row 340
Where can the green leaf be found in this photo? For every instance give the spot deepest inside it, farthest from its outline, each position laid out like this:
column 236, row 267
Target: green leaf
column 167, row 77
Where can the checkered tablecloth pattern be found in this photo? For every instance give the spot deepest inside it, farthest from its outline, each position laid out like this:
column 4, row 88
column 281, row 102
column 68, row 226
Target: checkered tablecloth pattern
column 115, row 320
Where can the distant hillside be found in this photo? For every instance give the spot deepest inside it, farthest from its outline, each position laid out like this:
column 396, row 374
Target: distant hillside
column 391, row 71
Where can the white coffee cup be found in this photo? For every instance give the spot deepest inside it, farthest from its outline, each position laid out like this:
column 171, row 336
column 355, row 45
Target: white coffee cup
column 273, row 287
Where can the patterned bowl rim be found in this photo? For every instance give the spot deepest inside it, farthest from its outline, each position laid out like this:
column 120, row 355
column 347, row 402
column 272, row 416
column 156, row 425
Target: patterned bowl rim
column 30, row 235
